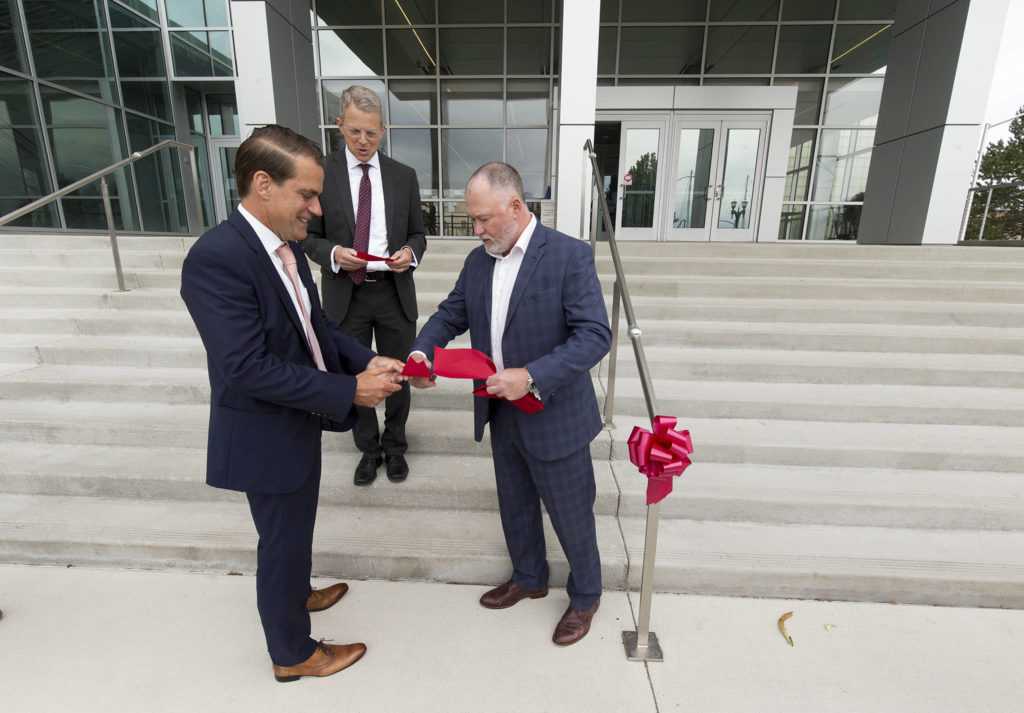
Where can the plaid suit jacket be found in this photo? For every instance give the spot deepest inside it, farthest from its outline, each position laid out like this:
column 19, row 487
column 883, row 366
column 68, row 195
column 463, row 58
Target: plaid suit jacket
column 557, row 327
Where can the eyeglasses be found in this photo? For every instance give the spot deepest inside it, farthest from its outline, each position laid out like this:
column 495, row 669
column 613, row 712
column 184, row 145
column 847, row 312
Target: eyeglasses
column 357, row 133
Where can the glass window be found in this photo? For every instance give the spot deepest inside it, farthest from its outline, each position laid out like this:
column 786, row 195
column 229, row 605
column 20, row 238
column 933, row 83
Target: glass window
column 638, row 196
column 842, row 164
column 609, row 10
column 123, row 18
column 469, row 12
column 736, row 82
column 661, row 50
column 157, row 177
column 412, row 102
column 469, row 102
column 147, row 97
column 418, row 148
column 79, row 59
column 665, row 11
column 533, row 11
column 606, row 43
column 809, row 9
column 194, row 106
column 798, row 171
column 197, row 13
column 740, row 49
column 223, row 113
column 472, row 51
column 803, row 49
column 527, row 102
column 23, row 173
column 808, row 98
column 861, row 49
column 527, row 150
column 744, row 10
column 12, row 46
column 351, row 53
column 201, row 54
column 529, row 50
column 146, row 8
column 693, row 178
column 463, row 152
column 431, row 214
column 203, row 174
column 456, row 221
column 867, row 9
column 853, row 102
column 834, row 222
column 738, row 178
column 411, row 51
column 791, row 225
column 139, row 53
column 360, row 12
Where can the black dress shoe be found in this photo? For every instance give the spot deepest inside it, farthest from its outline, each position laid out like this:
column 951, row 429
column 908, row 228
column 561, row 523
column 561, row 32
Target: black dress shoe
column 366, row 471
column 398, row 469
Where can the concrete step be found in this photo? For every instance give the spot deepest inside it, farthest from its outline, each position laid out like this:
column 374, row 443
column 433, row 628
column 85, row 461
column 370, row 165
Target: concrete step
column 66, row 298
column 953, row 568
column 350, row 542
column 102, row 259
column 11, row 277
column 99, row 242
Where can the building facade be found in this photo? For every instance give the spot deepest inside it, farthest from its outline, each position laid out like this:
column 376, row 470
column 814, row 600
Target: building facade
column 711, row 119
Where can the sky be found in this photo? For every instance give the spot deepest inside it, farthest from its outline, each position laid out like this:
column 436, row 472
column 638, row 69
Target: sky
column 1007, row 94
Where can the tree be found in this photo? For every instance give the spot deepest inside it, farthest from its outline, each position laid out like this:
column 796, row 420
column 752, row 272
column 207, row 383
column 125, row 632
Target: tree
column 1003, row 162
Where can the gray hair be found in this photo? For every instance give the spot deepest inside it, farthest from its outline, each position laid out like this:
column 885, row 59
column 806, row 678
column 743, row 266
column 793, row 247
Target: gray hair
column 363, row 99
column 501, row 177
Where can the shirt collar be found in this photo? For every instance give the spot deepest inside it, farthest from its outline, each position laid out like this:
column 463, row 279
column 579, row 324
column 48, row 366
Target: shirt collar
column 267, row 236
column 524, row 240
column 352, row 161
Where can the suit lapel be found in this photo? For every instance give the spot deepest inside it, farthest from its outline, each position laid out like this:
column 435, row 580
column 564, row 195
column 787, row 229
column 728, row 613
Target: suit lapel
column 530, row 261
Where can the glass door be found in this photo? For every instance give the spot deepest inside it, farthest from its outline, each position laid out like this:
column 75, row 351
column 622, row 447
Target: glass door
column 639, row 199
column 225, row 194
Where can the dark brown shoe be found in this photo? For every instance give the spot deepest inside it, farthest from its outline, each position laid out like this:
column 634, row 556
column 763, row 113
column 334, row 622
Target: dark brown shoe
column 574, row 625
column 508, row 594
column 327, row 659
column 366, row 471
column 320, row 599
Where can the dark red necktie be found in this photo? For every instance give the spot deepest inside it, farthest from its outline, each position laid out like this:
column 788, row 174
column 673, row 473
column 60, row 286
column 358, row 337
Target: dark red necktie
column 361, row 239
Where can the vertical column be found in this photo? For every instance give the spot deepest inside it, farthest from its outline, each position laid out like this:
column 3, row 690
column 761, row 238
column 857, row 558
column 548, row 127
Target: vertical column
column 933, row 105
column 276, row 80
column 577, row 103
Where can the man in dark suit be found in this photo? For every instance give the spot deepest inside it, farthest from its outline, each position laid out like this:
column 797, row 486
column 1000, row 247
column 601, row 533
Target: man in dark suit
column 371, row 204
column 279, row 373
column 531, row 300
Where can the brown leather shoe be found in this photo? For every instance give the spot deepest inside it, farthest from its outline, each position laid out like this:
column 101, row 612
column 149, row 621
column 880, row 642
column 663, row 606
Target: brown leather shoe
column 574, row 625
column 327, row 659
column 508, row 594
column 320, row 599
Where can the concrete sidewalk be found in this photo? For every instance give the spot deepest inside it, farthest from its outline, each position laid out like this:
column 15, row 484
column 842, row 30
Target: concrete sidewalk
column 83, row 640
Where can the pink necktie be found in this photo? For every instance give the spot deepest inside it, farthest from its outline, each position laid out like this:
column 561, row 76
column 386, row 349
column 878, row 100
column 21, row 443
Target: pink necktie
column 288, row 258
column 361, row 237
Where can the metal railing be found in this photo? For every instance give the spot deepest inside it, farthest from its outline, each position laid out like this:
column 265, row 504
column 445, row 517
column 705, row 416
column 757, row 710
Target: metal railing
column 988, row 202
column 642, row 644
column 974, row 179
column 105, row 192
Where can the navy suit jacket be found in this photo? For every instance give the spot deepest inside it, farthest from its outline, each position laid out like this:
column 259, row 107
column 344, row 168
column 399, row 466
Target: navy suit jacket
column 557, row 327
column 268, row 401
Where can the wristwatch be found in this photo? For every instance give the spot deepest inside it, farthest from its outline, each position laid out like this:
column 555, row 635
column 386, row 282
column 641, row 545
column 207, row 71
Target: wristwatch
column 532, row 387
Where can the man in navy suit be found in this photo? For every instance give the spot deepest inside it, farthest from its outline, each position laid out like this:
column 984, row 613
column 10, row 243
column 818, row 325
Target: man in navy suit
column 531, row 300
column 280, row 372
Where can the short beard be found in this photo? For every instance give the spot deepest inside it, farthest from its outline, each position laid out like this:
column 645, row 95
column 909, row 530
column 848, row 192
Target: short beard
column 505, row 240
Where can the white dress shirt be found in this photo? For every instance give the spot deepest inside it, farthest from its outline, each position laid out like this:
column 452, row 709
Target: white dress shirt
column 506, row 269
column 271, row 243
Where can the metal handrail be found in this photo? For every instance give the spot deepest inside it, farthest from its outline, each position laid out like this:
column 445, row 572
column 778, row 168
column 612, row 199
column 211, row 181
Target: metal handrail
column 101, row 175
column 642, row 644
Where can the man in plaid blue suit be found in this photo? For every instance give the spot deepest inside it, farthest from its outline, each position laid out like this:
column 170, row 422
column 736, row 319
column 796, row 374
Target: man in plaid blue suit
column 531, row 300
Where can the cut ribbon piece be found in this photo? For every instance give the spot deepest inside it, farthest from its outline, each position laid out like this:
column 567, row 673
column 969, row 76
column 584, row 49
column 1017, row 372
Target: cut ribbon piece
column 468, row 364
column 372, row 258
column 660, row 455
column 416, row 368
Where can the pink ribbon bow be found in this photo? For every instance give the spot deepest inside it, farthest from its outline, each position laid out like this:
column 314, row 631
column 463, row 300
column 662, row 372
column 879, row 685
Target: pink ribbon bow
column 660, row 455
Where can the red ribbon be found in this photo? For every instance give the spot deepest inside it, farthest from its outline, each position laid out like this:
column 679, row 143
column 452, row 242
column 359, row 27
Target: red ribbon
column 660, row 455
column 468, row 364
column 371, row 258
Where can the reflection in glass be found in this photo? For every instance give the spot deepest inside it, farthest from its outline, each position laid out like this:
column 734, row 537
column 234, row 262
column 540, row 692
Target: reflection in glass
column 146, row 8
column 842, row 164
column 332, row 89
column 147, row 97
column 431, row 215
column 418, row 148
column 157, row 177
column 791, row 226
column 638, row 195
column 833, row 222
column 194, row 106
column 456, row 220
column 470, row 102
column 351, row 53
column 808, row 98
column 223, row 113
column 413, row 101
column 463, row 152
column 738, row 179
column 527, row 102
column 475, row 51
column 527, row 150
column 798, row 171
column 23, row 174
column 79, row 59
column 402, row 12
column 853, row 102
column 12, row 47
column 744, row 10
column 803, row 49
column 197, row 13
column 203, row 173
column 139, row 54
column 201, row 54
column 660, row 50
column 529, row 50
column 740, row 49
column 693, row 178
column 411, row 51
column 808, row 9
column 861, row 49
column 227, row 172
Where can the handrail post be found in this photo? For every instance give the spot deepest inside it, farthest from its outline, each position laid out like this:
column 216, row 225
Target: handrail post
column 609, row 398
column 984, row 216
column 113, row 234
column 642, row 644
